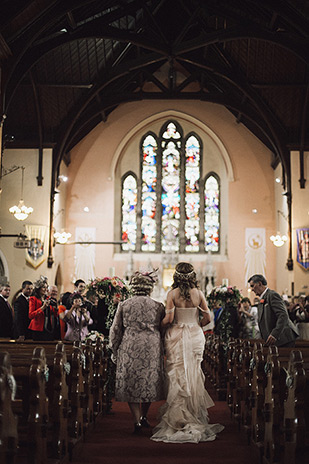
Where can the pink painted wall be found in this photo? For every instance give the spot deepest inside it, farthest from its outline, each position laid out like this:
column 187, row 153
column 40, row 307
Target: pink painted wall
column 90, row 185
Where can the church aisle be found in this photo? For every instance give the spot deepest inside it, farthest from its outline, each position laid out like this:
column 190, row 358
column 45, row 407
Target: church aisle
column 112, row 442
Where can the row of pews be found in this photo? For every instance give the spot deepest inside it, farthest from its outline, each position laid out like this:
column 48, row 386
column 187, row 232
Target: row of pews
column 267, row 391
column 50, row 397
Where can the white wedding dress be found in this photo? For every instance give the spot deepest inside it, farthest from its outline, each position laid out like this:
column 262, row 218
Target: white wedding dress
column 184, row 417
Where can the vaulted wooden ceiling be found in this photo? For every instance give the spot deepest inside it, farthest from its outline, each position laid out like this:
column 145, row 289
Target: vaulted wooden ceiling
column 67, row 64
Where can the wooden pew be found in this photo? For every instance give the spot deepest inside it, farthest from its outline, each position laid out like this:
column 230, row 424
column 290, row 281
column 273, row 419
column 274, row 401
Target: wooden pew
column 8, row 422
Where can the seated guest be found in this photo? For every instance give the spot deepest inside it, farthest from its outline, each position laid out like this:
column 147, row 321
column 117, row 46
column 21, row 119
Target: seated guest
column 6, row 314
column 21, row 312
column 77, row 319
column 42, row 315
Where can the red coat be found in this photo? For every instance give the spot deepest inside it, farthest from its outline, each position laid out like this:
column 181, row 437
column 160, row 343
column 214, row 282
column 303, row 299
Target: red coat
column 36, row 314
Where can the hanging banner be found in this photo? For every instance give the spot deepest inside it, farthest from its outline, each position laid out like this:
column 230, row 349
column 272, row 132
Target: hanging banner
column 255, row 252
column 303, row 247
column 85, row 254
column 38, row 251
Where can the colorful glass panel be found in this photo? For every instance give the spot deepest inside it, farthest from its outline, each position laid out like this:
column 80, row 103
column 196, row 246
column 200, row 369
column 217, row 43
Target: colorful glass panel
column 149, row 195
column 192, row 198
column 129, row 203
column 212, row 213
column 170, row 197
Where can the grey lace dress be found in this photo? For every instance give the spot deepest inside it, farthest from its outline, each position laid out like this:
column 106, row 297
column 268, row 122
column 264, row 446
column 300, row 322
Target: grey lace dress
column 136, row 342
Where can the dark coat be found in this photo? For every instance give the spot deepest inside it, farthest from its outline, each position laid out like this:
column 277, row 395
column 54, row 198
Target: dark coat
column 6, row 320
column 22, row 321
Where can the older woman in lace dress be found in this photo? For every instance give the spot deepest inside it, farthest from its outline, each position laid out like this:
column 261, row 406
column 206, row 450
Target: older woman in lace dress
column 136, row 343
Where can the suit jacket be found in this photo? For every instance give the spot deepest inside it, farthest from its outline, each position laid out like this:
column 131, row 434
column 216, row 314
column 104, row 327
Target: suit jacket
column 21, row 312
column 274, row 320
column 6, row 320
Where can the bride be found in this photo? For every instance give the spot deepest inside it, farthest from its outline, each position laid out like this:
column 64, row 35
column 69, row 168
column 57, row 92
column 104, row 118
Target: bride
column 184, row 417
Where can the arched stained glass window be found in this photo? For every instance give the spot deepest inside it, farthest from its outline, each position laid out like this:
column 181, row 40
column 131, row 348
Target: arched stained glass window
column 149, row 193
column 212, row 213
column 175, row 213
column 192, row 198
column 129, row 204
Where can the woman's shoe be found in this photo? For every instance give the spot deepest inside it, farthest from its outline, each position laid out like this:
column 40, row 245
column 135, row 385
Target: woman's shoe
column 137, row 428
column 144, row 422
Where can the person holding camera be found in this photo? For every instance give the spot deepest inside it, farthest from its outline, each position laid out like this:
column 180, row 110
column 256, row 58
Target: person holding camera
column 42, row 314
column 77, row 319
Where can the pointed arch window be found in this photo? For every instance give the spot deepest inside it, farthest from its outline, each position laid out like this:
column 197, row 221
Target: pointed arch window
column 128, row 210
column 212, row 213
column 171, row 207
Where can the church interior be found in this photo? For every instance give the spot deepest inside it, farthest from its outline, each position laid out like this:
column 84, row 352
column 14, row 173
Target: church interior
column 139, row 134
column 81, row 88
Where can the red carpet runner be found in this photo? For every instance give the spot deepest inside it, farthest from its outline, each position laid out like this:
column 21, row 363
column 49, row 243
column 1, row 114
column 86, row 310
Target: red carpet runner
column 112, row 442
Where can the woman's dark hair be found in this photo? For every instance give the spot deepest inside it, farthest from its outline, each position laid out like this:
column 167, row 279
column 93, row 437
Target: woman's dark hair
column 184, row 279
column 246, row 300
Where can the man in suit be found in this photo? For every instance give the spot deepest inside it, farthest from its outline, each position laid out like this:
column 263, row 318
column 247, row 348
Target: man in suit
column 6, row 314
column 21, row 312
column 274, row 323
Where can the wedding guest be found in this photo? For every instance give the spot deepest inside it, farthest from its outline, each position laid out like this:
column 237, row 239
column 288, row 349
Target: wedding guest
column 79, row 289
column 6, row 313
column 42, row 314
column 248, row 320
column 274, row 323
column 21, row 312
column 52, row 296
column 62, row 308
column 77, row 319
column 136, row 343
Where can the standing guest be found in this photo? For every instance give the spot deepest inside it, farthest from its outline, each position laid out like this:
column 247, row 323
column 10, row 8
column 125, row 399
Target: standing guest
column 42, row 314
column 184, row 416
column 77, row 319
column 62, row 308
column 248, row 320
column 79, row 288
column 137, row 347
column 275, row 326
column 21, row 312
column 6, row 313
column 52, row 296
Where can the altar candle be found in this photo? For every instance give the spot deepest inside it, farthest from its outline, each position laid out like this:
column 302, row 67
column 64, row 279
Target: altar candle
column 225, row 282
column 111, row 272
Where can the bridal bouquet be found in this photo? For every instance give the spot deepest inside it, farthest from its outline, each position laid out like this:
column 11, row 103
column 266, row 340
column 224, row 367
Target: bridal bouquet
column 110, row 289
column 224, row 296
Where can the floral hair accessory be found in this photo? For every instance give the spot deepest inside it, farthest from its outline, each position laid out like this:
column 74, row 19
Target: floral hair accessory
column 184, row 276
column 152, row 275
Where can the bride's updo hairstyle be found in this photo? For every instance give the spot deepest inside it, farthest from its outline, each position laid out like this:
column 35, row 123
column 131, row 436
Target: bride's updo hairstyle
column 142, row 283
column 184, row 279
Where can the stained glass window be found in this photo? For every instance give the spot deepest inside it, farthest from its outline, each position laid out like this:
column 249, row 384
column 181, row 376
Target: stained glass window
column 192, row 196
column 176, row 213
column 212, row 214
column 129, row 203
column 149, row 194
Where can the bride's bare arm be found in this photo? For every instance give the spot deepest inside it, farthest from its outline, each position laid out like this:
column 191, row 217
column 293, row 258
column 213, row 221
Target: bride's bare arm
column 169, row 310
column 204, row 308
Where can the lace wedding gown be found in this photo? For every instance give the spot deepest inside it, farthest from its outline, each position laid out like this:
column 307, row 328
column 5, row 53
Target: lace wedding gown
column 184, row 417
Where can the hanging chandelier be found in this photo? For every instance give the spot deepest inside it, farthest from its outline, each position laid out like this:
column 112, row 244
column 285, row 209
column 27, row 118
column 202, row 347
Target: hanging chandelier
column 62, row 237
column 21, row 211
column 278, row 240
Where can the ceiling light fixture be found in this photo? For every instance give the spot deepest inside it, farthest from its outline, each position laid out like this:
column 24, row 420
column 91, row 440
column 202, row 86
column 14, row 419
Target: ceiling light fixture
column 279, row 239
column 62, row 237
column 21, row 211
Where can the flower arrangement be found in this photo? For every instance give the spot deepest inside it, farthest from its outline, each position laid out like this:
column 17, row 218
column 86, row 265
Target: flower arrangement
column 94, row 335
column 112, row 290
column 224, row 296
